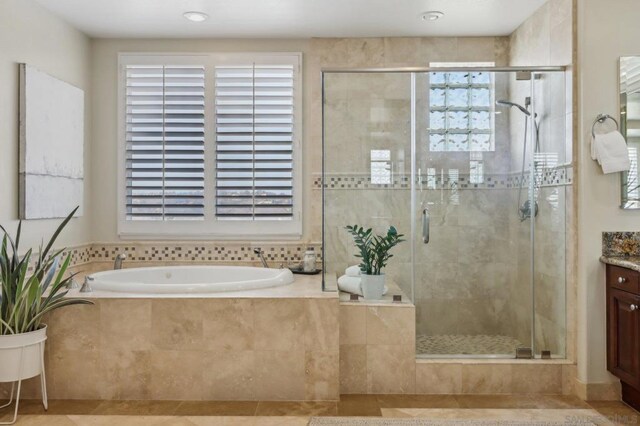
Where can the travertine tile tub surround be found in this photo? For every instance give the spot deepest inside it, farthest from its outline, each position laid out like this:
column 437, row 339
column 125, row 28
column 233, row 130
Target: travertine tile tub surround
column 260, row 345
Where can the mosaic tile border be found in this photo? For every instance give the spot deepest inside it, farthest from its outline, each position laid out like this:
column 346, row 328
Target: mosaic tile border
column 189, row 252
column 557, row 176
column 202, row 252
column 620, row 244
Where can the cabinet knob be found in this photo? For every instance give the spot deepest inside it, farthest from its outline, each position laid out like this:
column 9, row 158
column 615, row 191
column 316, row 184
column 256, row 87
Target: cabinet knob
column 633, row 307
column 622, row 280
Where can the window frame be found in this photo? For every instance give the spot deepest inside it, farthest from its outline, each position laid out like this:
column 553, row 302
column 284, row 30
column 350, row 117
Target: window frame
column 210, row 227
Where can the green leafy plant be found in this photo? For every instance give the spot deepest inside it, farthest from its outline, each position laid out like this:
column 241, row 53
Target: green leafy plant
column 24, row 299
column 374, row 250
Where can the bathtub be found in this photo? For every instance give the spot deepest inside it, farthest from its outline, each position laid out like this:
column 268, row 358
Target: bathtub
column 189, row 279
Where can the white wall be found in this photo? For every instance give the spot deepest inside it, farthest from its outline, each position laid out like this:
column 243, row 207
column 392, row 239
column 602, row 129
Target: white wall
column 606, row 30
column 30, row 34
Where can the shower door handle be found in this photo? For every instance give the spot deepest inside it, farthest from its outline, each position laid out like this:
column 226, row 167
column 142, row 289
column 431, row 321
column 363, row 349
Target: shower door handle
column 425, row 226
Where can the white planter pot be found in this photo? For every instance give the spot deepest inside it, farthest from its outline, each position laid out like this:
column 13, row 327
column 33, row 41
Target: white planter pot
column 372, row 286
column 26, row 349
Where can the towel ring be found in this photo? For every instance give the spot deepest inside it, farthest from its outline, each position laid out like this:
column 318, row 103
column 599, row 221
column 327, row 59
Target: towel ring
column 600, row 119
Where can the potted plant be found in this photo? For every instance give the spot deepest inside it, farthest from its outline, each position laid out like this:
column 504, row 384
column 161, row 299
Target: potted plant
column 31, row 287
column 374, row 253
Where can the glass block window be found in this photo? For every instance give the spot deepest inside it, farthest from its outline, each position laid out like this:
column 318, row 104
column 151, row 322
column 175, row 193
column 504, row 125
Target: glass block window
column 461, row 112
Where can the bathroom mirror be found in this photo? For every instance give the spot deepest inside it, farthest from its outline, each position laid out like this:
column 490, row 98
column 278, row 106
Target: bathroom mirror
column 630, row 128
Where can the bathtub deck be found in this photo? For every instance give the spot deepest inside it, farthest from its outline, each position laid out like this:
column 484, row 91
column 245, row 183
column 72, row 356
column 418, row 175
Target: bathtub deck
column 304, row 287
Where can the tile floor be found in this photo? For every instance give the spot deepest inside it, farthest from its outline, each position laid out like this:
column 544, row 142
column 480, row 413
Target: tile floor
column 79, row 412
column 459, row 344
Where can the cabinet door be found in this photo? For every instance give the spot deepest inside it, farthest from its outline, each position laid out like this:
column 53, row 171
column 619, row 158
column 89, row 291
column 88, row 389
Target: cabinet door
column 623, row 335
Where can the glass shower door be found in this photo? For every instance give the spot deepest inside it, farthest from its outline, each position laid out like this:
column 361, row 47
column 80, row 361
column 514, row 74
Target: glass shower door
column 472, row 278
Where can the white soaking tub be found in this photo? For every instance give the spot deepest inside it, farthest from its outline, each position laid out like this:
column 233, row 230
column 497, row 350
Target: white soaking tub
column 189, row 279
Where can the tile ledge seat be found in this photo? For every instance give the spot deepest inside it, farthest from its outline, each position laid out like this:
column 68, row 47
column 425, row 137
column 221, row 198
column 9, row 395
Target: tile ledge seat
column 387, row 299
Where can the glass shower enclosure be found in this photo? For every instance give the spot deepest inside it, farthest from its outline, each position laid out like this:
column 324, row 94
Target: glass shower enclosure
column 471, row 165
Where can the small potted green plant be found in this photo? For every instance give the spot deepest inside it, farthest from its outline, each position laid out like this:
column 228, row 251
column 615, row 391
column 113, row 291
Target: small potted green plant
column 374, row 252
column 26, row 296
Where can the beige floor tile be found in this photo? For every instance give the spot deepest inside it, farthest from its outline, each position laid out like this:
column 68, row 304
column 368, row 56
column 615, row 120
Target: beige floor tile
column 282, row 421
column 418, row 401
column 560, row 401
column 215, row 408
column 518, row 416
column 358, row 408
column 38, row 420
column 617, row 412
column 127, row 421
column 139, row 408
column 498, row 401
column 275, row 408
column 222, row 421
column 359, row 398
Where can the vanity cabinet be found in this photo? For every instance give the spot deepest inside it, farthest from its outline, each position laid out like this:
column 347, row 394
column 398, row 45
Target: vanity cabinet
column 623, row 330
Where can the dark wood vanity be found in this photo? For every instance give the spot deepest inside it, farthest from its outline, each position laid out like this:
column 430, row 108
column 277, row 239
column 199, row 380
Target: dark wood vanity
column 623, row 330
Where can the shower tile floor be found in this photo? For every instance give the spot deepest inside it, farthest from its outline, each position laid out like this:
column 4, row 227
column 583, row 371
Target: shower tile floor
column 460, row 344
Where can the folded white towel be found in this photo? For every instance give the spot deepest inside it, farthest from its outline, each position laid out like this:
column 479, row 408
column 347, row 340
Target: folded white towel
column 352, row 285
column 610, row 149
column 353, row 271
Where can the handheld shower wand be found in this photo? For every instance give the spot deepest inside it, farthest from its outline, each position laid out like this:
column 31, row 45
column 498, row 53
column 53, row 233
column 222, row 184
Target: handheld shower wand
column 527, row 209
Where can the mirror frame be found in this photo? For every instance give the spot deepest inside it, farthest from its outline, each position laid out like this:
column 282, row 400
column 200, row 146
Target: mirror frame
column 626, row 202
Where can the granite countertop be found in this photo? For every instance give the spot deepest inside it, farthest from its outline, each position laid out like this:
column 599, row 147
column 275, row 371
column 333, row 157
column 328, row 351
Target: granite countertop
column 629, row 262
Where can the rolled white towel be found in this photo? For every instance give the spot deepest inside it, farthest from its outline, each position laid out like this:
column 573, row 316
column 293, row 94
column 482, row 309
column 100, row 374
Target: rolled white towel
column 352, row 285
column 353, row 271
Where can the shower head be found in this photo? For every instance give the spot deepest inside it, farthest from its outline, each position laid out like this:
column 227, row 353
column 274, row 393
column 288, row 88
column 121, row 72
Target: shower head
column 513, row 104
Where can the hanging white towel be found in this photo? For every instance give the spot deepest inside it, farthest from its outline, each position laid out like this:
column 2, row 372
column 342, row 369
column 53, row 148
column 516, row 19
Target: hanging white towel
column 610, row 149
column 353, row 271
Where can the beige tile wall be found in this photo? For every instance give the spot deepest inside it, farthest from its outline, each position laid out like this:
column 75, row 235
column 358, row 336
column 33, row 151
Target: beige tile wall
column 377, row 349
column 377, row 356
column 487, row 377
column 194, row 349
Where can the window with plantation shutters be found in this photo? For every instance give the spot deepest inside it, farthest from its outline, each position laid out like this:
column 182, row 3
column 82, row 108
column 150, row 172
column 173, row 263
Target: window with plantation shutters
column 254, row 107
column 165, row 142
column 210, row 146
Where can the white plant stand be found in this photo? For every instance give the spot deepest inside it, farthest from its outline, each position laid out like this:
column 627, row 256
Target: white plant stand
column 27, row 353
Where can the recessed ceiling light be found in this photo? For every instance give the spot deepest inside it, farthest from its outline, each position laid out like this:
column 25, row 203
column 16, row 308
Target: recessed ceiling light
column 432, row 15
column 196, row 16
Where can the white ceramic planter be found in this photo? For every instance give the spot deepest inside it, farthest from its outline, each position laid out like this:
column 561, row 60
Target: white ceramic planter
column 21, row 355
column 372, row 286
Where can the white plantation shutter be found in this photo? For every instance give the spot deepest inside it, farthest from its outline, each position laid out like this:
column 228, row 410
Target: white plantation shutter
column 210, row 146
column 254, row 107
column 165, row 142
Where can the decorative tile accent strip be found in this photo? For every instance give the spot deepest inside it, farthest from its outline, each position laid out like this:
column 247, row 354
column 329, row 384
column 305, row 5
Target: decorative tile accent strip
column 189, row 252
column 201, row 252
column 620, row 244
column 79, row 255
column 548, row 177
